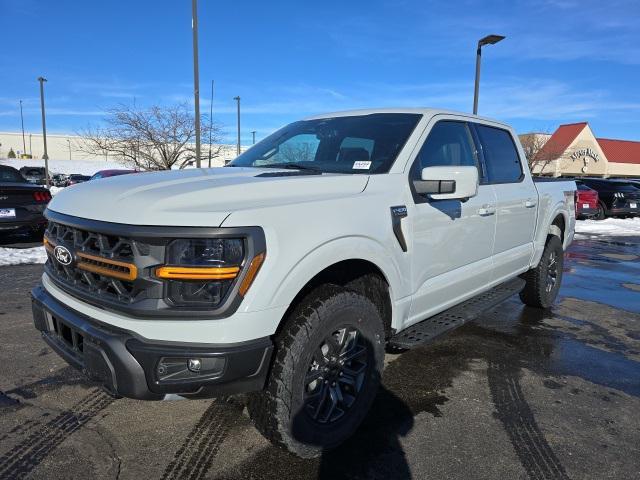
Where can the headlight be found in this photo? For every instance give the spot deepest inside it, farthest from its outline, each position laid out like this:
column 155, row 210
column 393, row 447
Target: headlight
column 199, row 272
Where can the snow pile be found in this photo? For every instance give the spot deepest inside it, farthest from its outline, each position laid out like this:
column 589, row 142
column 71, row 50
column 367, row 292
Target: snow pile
column 614, row 227
column 22, row 256
column 82, row 167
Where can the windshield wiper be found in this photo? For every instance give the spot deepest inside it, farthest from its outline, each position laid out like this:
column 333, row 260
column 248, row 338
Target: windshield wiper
column 291, row 166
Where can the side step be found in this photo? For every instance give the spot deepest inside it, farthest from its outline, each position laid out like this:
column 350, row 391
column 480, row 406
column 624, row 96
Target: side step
column 433, row 327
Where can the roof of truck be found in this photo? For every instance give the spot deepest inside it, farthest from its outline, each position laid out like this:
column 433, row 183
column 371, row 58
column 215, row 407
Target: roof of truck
column 421, row 111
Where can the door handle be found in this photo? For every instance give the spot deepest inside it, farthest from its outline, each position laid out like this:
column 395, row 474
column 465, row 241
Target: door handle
column 486, row 210
column 529, row 203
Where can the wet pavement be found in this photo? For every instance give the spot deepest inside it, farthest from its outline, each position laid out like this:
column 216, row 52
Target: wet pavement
column 520, row 393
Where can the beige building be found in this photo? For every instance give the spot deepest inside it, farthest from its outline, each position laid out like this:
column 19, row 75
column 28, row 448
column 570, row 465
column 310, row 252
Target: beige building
column 573, row 150
column 65, row 147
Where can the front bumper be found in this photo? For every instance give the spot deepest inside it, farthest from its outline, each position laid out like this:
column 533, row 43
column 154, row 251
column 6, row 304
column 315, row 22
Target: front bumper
column 129, row 366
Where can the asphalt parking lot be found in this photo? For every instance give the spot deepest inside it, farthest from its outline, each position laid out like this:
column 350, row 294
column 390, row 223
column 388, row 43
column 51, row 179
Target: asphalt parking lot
column 520, row 393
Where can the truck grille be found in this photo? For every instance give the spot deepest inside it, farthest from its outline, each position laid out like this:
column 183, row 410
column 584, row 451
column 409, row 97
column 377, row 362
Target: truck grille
column 104, row 264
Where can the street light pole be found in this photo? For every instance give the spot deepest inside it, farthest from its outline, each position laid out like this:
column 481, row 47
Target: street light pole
column 253, row 134
column 210, row 122
column 237, row 99
column 488, row 40
column 196, row 76
column 24, row 144
column 69, row 144
column 44, row 131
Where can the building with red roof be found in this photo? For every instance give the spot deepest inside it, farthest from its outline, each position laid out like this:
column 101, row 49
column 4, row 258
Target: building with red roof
column 573, row 150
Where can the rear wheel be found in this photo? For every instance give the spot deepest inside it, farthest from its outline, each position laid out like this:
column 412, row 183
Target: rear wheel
column 326, row 372
column 543, row 282
column 601, row 214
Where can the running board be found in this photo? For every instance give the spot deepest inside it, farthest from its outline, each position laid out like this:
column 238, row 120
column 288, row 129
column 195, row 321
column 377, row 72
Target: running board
column 433, row 327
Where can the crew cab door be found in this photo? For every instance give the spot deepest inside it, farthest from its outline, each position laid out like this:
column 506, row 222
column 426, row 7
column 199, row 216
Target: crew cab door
column 516, row 200
column 452, row 240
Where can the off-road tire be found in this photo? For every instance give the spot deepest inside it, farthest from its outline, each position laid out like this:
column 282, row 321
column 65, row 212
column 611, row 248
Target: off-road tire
column 536, row 292
column 278, row 412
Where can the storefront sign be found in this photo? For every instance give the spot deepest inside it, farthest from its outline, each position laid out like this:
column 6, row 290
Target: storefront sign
column 585, row 152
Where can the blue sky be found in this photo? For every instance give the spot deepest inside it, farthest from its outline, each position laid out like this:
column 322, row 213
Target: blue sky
column 562, row 61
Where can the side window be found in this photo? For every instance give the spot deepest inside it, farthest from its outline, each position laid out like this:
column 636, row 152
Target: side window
column 500, row 155
column 449, row 144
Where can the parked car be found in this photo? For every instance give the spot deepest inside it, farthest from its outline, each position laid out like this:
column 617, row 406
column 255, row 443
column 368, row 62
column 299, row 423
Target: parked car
column 60, row 180
column 111, row 173
column 616, row 198
column 586, row 201
column 21, row 203
column 75, row 178
column 287, row 272
column 35, row 175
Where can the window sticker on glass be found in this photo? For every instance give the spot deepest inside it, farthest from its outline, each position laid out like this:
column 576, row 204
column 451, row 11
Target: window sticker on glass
column 361, row 165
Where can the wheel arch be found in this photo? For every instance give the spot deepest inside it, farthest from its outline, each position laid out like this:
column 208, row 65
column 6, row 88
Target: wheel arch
column 344, row 263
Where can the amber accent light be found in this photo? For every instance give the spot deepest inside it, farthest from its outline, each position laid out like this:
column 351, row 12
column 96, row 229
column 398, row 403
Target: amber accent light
column 48, row 245
column 197, row 273
column 107, row 267
column 252, row 271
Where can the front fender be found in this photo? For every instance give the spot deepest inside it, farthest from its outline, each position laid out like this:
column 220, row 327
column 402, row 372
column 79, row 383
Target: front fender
column 335, row 251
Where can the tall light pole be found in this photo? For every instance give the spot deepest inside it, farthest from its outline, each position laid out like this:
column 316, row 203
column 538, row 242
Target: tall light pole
column 237, row 99
column 210, row 122
column 30, row 145
column 488, row 40
column 44, row 131
column 24, row 144
column 253, row 134
column 69, row 144
column 196, row 76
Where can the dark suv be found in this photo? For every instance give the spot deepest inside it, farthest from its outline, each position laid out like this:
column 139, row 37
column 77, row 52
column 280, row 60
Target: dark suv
column 616, row 198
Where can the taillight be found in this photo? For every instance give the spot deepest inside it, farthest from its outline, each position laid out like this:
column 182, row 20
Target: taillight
column 42, row 196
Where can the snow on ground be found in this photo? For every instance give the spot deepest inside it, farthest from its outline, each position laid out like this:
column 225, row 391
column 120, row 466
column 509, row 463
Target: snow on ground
column 610, row 226
column 82, row 167
column 21, row 256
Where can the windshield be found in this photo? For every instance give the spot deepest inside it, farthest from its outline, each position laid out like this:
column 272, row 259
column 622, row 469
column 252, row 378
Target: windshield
column 353, row 144
column 11, row 175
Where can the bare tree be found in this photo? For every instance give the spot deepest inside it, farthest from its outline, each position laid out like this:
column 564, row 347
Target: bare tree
column 153, row 138
column 539, row 152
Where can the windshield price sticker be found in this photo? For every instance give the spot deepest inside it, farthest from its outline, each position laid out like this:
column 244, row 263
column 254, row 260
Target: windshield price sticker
column 361, row 165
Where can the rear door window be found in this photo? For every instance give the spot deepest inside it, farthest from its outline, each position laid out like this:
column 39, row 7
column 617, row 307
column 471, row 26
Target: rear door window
column 500, row 155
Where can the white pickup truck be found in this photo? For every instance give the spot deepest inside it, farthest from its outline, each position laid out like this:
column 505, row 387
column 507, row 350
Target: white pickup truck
column 287, row 273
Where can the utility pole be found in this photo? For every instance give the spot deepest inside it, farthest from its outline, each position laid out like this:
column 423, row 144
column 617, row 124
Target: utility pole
column 488, row 40
column 30, row 145
column 44, row 131
column 237, row 99
column 210, row 122
column 24, row 144
column 253, row 134
column 196, row 76
column 69, row 144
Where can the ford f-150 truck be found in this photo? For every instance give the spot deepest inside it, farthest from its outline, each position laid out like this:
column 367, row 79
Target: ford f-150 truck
column 286, row 274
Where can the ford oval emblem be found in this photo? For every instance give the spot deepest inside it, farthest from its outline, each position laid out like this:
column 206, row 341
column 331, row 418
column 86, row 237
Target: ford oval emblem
column 63, row 255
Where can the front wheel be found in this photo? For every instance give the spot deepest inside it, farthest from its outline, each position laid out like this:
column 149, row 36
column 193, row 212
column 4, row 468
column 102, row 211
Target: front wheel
column 326, row 372
column 543, row 282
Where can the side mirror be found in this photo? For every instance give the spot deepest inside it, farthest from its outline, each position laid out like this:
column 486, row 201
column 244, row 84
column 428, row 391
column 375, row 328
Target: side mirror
column 448, row 183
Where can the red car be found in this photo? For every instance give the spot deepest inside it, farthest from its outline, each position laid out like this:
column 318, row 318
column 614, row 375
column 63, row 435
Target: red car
column 111, row 173
column 586, row 201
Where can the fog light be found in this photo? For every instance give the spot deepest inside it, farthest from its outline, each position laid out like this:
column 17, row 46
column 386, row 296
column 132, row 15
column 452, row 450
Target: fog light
column 181, row 368
column 194, row 364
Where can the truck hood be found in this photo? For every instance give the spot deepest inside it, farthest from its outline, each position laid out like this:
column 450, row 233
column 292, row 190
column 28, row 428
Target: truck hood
column 197, row 197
